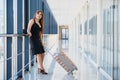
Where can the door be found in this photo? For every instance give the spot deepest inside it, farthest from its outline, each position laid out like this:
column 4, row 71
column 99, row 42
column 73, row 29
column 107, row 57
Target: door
column 64, row 38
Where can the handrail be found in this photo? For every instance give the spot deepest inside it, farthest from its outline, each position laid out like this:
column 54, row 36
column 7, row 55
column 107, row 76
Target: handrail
column 13, row 35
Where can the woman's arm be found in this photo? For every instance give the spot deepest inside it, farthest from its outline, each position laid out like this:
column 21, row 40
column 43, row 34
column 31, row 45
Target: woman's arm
column 31, row 22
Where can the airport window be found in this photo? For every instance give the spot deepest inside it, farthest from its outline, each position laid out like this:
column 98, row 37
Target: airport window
column 85, row 27
column 2, row 17
column 93, row 37
column 92, row 30
column 43, row 6
column 107, row 47
column 26, row 13
column 80, row 28
column 2, row 39
column 118, row 51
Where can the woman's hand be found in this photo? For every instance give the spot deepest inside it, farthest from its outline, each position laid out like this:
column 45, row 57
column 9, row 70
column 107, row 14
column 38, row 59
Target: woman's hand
column 29, row 34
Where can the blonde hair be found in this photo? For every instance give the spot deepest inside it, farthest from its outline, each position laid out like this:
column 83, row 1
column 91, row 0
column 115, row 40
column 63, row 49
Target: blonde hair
column 41, row 21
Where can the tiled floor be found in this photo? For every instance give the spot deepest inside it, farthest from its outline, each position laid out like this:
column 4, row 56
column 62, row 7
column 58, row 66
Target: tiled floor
column 56, row 72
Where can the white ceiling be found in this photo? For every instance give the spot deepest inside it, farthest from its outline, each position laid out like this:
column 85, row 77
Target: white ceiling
column 65, row 10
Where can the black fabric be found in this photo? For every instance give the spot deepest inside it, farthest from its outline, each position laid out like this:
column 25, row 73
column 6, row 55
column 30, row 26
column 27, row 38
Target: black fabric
column 36, row 44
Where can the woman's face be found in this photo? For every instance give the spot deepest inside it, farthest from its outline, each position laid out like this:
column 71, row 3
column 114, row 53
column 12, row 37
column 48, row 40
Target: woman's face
column 39, row 15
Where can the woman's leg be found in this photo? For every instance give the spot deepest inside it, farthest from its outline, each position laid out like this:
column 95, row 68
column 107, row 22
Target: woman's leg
column 40, row 58
column 40, row 61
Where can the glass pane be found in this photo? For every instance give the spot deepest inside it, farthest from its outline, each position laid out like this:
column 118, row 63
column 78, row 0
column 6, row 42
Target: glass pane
column 107, row 48
column 118, row 22
column 65, row 36
column 63, row 33
column 2, row 39
column 92, row 37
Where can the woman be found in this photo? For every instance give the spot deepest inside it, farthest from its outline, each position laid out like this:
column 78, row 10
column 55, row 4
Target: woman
column 35, row 32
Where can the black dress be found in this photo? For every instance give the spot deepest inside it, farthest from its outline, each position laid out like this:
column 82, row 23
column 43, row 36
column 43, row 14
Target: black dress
column 36, row 44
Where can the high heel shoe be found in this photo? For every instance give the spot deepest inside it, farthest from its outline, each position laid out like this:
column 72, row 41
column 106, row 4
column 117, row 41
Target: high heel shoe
column 42, row 71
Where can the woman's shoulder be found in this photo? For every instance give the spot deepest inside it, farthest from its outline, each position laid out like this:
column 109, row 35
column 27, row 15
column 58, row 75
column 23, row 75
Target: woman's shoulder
column 31, row 21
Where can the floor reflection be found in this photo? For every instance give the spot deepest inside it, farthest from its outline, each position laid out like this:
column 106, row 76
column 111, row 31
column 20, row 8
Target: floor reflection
column 69, row 77
column 55, row 72
column 33, row 75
